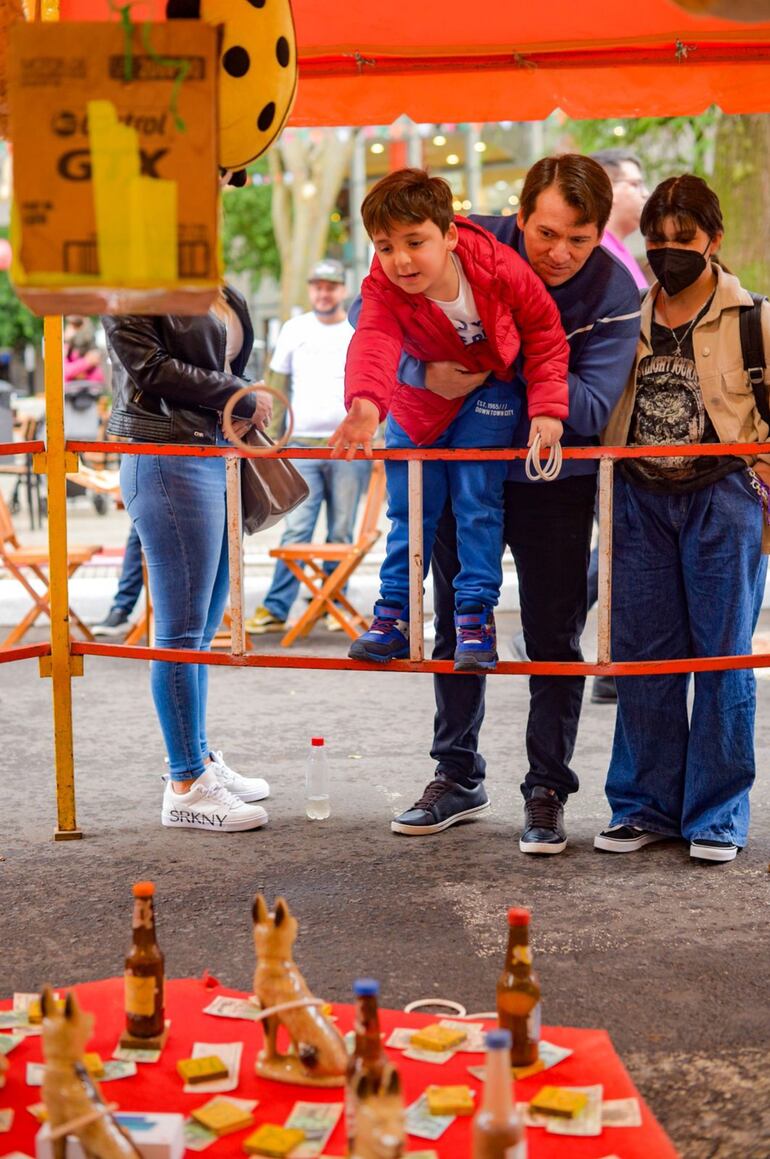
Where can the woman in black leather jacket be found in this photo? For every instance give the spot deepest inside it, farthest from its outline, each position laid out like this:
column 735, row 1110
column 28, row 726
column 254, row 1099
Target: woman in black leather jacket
column 171, row 379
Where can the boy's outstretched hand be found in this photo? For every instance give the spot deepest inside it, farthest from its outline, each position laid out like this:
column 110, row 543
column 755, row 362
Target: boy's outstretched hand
column 550, row 431
column 356, row 430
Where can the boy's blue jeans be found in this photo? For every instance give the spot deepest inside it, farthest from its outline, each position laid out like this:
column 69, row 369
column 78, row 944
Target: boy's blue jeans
column 338, row 484
column 688, row 578
column 488, row 418
column 178, row 508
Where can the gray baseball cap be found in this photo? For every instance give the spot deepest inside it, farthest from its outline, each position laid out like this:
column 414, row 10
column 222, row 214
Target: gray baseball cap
column 327, row 270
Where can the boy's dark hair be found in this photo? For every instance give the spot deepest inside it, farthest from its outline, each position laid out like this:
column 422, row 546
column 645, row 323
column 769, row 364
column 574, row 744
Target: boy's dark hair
column 408, row 195
column 580, row 180
column 612, row 159
column 691, row 204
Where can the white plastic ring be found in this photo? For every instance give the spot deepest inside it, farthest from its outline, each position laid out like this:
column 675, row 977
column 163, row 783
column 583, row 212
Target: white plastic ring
column 227, row 420
column 533, row 467
column 455, row 1007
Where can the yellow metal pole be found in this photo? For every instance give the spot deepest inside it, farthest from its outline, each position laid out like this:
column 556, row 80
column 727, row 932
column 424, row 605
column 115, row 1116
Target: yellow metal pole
column 59, row 665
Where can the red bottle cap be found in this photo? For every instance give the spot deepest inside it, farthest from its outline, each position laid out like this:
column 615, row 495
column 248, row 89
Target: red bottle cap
column 316, row 741
column 143, row 889
column 518, row 917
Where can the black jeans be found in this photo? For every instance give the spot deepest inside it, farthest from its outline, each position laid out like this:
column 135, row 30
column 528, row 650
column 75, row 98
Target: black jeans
column 548, row 529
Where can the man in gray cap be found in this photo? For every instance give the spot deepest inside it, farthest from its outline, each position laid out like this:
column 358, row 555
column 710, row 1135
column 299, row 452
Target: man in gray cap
column 308, row 367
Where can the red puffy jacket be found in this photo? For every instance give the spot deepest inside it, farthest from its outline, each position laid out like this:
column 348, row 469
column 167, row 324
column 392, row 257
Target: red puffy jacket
column 516, row 312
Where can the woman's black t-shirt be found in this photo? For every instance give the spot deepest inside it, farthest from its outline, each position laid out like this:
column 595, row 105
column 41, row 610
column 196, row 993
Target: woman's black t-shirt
column 669, row 408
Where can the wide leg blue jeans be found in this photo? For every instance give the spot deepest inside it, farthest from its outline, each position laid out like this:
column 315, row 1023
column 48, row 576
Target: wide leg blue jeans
column 177, row 506
column 688, row 578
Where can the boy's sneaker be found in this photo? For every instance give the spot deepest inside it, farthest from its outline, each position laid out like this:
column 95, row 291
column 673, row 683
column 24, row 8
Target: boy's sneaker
column 246, row 788
column 386, row 638
column 443, row 803
column 209, row 805
column 115, row 623
column 476, row 649
column 543, row 822
column 264, row 621
column 713, row 850
column 625, row 839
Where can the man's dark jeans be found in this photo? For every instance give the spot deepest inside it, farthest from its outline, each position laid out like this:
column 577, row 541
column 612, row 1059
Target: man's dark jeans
column 548, row 529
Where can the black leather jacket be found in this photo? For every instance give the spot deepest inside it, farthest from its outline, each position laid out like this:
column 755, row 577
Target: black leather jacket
column 169, row 384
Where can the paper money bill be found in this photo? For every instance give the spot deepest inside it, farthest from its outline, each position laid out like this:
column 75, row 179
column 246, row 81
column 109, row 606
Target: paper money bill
column 588, row 1122
column 549, row 1055
column 117, row 1069
column 621, row 1113
column 420, row 1122
column 434, row 1056
column 9, row 1041
column 247, row 1105
column 422, row 1155
column 474, row 1043
column 21, row 1002
column 17, row 1020
column 35, row 1074
column 400, row 1038
column 6, row 1118
column 350, row 1041
column 223, row 1007
column 318, row 1121
column 129, row 1054
column 230, row 1053
column 197, row 1137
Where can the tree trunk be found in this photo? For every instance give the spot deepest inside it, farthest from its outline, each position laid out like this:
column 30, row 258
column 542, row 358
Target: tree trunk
column 308, row 171
column 742, row 182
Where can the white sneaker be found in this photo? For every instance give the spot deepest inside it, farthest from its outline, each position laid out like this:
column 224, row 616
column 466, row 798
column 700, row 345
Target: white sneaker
column 208, row 805
column 247, row 788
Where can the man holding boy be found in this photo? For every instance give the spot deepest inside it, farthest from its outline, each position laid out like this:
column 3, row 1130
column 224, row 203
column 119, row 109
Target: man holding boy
column 565, row 205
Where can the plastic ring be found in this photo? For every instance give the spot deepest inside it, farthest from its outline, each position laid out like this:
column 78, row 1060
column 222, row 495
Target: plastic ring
column 535, row 470
column 455, row 1007
column 227, row 421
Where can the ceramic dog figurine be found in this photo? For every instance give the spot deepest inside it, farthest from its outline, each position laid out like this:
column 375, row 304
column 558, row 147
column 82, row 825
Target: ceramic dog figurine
column 380, row 1126
column 318, row 1056
column 69, row 1093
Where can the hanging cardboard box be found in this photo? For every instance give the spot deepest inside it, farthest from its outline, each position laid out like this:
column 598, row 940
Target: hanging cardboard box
column 115, row 180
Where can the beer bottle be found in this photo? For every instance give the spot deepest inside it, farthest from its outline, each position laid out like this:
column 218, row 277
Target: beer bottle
column 498, row 1132
column 368, row 1057
column 144, row 969
column 518, row 992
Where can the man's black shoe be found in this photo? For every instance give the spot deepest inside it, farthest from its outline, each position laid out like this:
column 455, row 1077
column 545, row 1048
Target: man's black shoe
column 603, row 690
column 115, row 623
column 443, row 803
column 543, row 823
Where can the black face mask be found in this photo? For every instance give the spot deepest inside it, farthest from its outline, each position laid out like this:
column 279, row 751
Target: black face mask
column 676, row 269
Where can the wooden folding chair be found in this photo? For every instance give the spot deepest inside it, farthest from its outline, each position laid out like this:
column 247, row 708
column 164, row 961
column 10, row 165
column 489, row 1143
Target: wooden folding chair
column 306, row 560
column 24, row 564
column 141, row 631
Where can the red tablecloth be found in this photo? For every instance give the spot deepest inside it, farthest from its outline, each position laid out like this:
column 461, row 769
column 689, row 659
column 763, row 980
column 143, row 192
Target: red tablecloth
column 157, row 1087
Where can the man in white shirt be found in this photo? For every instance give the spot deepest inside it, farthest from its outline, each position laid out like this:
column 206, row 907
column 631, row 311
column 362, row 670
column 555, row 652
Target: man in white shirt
column 308, row 367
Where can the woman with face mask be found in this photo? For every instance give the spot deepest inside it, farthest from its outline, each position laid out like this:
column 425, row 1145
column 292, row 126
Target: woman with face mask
column 688, row 563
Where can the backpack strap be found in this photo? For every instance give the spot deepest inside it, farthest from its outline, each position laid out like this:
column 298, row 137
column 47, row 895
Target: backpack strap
column 753, row 351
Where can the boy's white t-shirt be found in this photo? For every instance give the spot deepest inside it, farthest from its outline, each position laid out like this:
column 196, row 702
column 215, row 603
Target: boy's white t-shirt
column 462, row 312
column 313, row 354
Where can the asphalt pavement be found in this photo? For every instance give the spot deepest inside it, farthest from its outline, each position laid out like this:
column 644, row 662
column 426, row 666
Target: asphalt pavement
column 668, row 955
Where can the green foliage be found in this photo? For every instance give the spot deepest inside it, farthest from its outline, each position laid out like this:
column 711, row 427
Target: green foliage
column 665, row 145
column 248, row 241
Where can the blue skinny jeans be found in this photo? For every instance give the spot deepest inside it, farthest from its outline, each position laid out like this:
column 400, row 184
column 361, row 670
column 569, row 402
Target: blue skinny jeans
column 177, row 506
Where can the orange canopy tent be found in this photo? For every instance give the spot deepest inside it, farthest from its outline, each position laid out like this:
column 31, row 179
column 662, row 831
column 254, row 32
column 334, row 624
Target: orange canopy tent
column 442, row 60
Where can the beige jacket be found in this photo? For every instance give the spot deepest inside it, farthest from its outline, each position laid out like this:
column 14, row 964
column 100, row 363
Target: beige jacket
column 727, row 393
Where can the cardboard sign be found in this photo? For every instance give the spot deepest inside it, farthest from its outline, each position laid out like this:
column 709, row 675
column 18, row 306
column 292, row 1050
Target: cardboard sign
column 116, row 185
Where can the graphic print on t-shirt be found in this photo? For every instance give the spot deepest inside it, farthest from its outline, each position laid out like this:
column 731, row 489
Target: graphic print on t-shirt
column 669, row 409
column 463, row 312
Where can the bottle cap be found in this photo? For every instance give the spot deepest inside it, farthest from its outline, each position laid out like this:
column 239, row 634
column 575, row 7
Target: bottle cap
column 498, row 1040
column 518, row 917
column 316, row 741
column 366, row 987
column 143, row 888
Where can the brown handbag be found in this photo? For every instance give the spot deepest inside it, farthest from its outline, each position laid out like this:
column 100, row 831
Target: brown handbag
column 270, row 488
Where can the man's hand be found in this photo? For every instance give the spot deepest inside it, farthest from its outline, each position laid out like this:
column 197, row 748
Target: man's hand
column 451, row 379
column 356, row 430
column 550, row 431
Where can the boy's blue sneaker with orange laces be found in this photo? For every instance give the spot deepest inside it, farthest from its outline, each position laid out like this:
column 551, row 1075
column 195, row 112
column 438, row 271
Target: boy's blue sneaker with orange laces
column 476, row 649
column 386, row 638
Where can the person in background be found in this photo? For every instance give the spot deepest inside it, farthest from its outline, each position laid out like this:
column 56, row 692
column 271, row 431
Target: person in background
column 82, row 358
column 172, row 377
column 688, row 540
column 129, row 590
column 308, row 367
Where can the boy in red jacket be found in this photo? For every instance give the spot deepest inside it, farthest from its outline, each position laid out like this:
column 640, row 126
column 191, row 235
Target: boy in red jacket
column 444, row 289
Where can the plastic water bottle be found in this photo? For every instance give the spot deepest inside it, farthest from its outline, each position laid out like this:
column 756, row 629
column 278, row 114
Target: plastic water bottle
column 317, row 781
